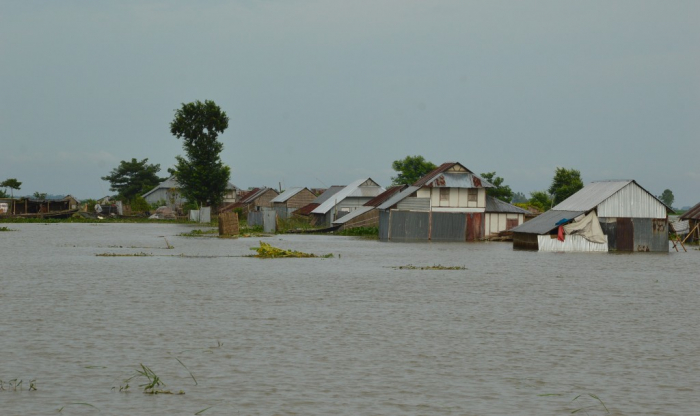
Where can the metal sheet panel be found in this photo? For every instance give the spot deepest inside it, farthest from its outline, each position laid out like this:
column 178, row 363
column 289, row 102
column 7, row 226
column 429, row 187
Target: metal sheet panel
column 255, row 218
column 650, row 234
column 624, row 234
column 475, row 226
column 571, row 244
column 409, row 225
column 384, row 225
column 632, row 201
column 398, row 197
column 414, row 204
column 205, row 214
column 448, row 226
column 544, row 223
column 269, row 221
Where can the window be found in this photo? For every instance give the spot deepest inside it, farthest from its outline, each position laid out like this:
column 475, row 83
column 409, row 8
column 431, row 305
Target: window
column 472, row 194
column 445, row 195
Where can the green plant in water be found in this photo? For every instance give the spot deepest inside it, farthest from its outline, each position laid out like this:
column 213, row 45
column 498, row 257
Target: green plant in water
column 586, row 408
column 151, row 385
column 6, row 229
column 433, row 267
column 266, row 251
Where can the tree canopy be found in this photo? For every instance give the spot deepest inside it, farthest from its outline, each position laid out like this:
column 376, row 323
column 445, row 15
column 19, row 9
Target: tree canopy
column 201, row 174
column 13, row 184
column 540, row 200
column 502, row 192
column 410, row 169
column 565, row 183
column 667, row 197
column 133, row 178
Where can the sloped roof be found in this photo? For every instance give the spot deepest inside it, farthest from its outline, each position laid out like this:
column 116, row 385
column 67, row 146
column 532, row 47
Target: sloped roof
column 591, row 195
column 384, row 196
column 171, row 183
column 353, row 214
column 353, row 190
column 246, row 198
column 440, row 177
column 692, row 214
column 306, row 209
column 398, row 197
column 327, row 194
column 497, row 206
column 287, row 194
column 544, row 223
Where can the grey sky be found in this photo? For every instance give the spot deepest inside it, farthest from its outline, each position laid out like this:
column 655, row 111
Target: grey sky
column 324, row 92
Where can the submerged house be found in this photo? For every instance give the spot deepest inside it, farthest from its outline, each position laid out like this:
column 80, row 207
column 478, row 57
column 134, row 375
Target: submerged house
column 257, row 199
column 447, row 204
column 42, row 207
column 290, row 200
column 344, row 201
column 321, row 198
column 169, row 191
column 693, row 218
column 603, row 216
column 368, row 214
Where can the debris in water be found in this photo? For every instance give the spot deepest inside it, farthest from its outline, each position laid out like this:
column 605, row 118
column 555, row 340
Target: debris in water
column 267, row 251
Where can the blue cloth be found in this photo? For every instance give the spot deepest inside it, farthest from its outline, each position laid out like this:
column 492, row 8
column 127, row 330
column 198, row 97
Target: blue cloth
column 562, row 221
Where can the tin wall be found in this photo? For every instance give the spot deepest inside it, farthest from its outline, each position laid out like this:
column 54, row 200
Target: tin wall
column 408, row 225
column 448, row 226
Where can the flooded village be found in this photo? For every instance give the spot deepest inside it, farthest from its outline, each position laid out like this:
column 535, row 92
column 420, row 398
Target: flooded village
column 367, row 207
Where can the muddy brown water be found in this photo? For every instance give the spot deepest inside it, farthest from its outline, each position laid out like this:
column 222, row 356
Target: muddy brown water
column 514, row 333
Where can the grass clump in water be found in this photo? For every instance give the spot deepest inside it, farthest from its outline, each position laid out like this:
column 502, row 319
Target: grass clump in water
column 124, row 254
column 266, row 251
column 152, row 383
column 433, row 267
column 201, row 233
column 6, row 229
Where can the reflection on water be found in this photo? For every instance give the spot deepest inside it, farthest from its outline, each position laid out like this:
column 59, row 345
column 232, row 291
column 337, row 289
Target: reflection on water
column 515, row 333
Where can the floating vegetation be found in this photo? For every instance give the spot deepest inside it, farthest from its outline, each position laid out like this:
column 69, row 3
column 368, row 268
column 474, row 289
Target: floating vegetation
column 124, row 254
column 266, row 251
column 595, row 405
column 152, row 383
column 78, row 404
column 433, row 267
column 201, row 233
column 16, row 384
column 6, row 229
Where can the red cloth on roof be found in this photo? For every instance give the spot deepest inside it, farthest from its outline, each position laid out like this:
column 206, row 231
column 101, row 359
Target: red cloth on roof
column 560, row 235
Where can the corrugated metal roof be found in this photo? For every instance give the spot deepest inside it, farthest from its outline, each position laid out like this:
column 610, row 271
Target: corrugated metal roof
column 591, row 195
column 288, row 193
column 496, row 205
column 352, row 214
column 306, row 209
column 384, row 196
column 327, row 194
column 692, row 214
column 398, row 197
column 440, row 177
column 350, row 191
column 596, row 193
column 544, row 223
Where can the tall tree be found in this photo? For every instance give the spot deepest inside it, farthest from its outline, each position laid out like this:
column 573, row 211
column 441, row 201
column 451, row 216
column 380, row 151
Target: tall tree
column 667, row 197
column 410, row 169
column 134, row 178
column 565, row 183
column 13, row 184
column 540, row 200
column 502, row 192
column 518, row 197
column 202, row 175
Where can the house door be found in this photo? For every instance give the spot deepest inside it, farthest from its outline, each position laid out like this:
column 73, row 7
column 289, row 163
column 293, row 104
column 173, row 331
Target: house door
column 474, row 222
column 511, row 223
column 624, row 234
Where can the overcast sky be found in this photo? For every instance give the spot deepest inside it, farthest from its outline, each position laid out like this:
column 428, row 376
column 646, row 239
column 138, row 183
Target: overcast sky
column 323, row 92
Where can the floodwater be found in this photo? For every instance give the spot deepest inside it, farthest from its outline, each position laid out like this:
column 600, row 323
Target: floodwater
column 515, row 333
